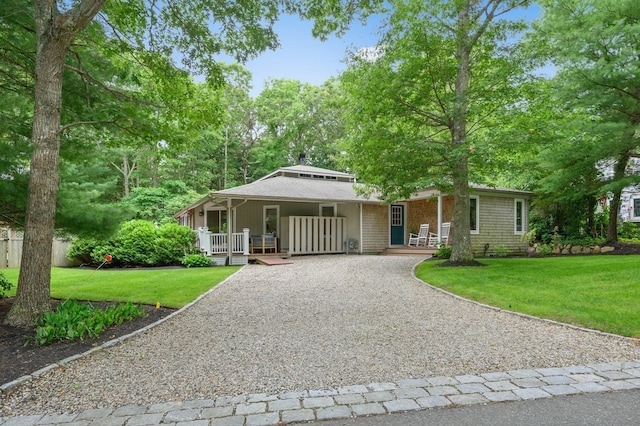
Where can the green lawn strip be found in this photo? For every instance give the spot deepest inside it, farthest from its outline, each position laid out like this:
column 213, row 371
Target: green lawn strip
column 599, row 292
column 172, row 288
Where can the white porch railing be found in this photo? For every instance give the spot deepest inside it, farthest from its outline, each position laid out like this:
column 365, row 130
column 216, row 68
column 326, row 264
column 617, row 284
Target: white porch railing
column 211, row 243
column 316, row 235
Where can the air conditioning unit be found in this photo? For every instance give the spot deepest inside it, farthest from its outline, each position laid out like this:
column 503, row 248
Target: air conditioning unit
column 352, row 244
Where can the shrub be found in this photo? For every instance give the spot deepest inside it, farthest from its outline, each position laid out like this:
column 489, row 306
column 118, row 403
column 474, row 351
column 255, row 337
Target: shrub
column 72, row 320
column 196, row 261
column 81, row 249
column 629, row 230
column 444, row 252
column 501, row 250
column 5, row 285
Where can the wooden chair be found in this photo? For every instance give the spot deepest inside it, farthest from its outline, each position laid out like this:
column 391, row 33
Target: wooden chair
column 421, row 237
column 444, row 235
column 263, row 243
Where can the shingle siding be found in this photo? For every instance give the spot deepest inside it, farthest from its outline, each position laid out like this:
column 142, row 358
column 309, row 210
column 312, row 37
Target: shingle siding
column 497, row 226
column 375, row 228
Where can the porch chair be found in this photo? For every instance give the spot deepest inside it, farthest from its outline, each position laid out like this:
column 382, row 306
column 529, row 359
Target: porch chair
column 263, row 243
column 444, row 235
column 421, row 237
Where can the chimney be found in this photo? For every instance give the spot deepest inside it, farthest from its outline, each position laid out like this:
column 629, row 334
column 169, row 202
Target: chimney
column 301, row 157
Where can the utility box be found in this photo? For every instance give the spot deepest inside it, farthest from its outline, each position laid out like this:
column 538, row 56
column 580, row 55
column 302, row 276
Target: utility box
column 351, row 245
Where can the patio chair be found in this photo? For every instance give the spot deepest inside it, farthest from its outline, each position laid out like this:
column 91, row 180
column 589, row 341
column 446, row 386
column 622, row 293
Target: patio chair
column 421, row 237
column 444, row 235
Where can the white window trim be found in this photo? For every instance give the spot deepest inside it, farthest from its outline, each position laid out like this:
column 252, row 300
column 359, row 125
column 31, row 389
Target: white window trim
column 264, row 217
column 477, row 230
column 515, row 216
column 332, row 205
column 632, row 213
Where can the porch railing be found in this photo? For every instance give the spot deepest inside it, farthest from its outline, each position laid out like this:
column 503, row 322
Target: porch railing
column 211, row 243
column 316, row 235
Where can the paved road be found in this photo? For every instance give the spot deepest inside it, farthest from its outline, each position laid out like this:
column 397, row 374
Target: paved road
column 611, row 409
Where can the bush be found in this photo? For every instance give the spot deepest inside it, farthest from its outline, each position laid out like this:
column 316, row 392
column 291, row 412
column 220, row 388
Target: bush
column 138, row 243
column 629, row 230
column 444, row 252
column 501, row 250
column 5, row 285
column 72, row 320
column 81, row 249
column 196, row 261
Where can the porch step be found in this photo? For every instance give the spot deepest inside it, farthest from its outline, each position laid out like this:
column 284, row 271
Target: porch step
column 409, row 251
column 271, row 260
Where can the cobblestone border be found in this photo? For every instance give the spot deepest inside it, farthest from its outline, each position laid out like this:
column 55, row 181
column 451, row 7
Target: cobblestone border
column 20, row 380
column 359, row 400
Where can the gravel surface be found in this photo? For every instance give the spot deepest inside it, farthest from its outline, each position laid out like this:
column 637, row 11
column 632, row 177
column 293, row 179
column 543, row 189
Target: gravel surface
column 322, row 322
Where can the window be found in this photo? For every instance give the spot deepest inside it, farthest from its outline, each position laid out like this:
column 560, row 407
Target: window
column 474, row 214
column 396, row 215
column 217, row 221
column 271, row 219
column 328, row 210
column 636, row 207
column 519, row 217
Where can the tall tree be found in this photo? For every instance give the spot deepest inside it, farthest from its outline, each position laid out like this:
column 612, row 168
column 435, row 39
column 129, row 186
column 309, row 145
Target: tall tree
column 595, row 45
column 421, row 100
column 141, row 32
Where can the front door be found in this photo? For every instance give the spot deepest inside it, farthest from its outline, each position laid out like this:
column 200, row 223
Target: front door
column 397, row 224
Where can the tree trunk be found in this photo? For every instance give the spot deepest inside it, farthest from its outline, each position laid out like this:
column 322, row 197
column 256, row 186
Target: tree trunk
column 54, row 34
column 619, row 171
column 461, row 237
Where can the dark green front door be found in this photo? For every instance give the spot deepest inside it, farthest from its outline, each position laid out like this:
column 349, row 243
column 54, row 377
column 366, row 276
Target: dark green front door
column 397, row 224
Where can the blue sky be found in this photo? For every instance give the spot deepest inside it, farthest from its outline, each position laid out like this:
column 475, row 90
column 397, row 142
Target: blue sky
column 304, row 58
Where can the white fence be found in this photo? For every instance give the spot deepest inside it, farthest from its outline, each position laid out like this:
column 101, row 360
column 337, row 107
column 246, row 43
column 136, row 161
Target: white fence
column 316, row 235
column 11, row 250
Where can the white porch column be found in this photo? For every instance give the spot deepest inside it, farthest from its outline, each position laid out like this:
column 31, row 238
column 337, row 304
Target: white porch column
column 229, row 232
column 439, row 217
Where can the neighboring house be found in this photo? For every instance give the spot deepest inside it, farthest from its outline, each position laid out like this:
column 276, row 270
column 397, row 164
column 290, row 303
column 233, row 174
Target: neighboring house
column 312, row 211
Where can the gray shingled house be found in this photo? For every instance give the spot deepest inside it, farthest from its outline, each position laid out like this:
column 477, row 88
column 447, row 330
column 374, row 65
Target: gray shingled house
column 309, row 210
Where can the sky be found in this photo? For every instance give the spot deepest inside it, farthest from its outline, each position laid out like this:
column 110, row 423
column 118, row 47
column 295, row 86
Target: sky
column 302, row 57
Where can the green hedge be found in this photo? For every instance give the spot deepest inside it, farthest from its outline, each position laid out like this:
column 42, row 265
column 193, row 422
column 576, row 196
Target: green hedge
column 137, row 243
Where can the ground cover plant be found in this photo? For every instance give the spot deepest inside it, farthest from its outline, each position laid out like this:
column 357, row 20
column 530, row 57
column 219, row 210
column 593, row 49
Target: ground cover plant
column 171, row 287
column 598, row 292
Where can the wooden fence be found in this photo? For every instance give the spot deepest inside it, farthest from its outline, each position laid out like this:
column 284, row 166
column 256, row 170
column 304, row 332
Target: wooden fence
column 316, row 235
column 11, row 250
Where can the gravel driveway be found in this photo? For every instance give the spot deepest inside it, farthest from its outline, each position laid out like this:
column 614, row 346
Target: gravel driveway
column 322, row 322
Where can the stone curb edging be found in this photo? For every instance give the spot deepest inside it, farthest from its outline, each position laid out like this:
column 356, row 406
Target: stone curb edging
column 359, row 400
column 520, row 314
column 20, row 380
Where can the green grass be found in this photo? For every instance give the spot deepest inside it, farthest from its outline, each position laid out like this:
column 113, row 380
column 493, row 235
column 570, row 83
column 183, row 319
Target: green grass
column 172, row 288
column 599, row 292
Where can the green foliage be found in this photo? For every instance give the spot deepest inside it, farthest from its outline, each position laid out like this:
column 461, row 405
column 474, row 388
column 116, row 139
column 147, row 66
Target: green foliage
column 5, row 285
column 629, row 231
column 198, row 260
column 137, row 243
column 501, row 250
column 444, row 252
column 72, row 320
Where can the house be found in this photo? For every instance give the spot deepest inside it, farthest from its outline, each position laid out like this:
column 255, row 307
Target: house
column 313, row 211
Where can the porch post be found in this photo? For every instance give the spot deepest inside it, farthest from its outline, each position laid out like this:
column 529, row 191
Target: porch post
column 439, row 217
column 229, row 232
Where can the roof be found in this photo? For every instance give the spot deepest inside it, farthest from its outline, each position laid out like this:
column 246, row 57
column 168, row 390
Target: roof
column 296, row 189
column 310, row 172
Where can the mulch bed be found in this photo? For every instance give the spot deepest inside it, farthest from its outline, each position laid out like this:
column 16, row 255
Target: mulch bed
column 20, row 356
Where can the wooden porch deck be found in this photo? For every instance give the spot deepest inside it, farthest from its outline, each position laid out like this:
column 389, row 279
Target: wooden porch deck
column 409, row 251
column 271, row 259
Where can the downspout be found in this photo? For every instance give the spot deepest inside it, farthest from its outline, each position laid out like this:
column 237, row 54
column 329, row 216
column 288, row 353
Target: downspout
column 439, row 217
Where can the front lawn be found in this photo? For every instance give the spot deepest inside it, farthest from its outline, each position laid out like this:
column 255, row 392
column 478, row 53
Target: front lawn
column 599, row 292
column 172, row 288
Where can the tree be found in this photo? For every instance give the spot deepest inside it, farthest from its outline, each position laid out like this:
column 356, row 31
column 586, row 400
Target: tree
column 137, row 32
column 420, row 103
column 594, row 45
